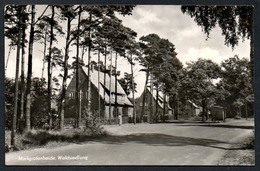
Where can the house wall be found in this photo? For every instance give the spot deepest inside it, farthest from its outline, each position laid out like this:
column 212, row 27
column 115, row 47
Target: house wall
column 190, row 110
column 139, row 105
column 94, row 100
column 218, row 113
column 70, row 108
column 197, row 111
column 130, row 111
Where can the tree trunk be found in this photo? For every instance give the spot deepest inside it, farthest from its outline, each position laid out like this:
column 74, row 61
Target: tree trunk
column 246, row 109
column 104, row 95
column 50, row 71
column 21, row 120
column 176, row 107
column 252, row 55
column 83, row 48
column 29, row 73
column 151, row 100
column 116, row 87
column 133, row 90
column 13, row 132
column 157, row 103
column 252, row 49
column 110, row 74
column 8, row 56
column 99, row 110
column 78, row 119
column 164, row 106
column 44, row 53
column 89, row 69
column 64, row 84
column 203, row 110
column 144, row 94
column 207, row 114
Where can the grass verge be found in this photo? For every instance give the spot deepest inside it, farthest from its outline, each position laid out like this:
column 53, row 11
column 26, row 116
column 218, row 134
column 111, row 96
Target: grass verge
column 244, row 154
column 50, row 138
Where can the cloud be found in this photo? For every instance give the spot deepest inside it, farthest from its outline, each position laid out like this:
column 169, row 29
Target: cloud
column 206, row 53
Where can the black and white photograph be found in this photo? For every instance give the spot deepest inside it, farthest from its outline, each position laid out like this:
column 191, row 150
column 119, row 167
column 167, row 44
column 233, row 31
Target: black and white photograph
column 129, row 85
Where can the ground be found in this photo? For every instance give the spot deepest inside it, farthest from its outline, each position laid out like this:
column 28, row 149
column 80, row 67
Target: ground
column 178, row 143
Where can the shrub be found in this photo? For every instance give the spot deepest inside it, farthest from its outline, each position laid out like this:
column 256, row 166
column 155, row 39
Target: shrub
column 93, row 125
column 37, row 137
column 43, row 137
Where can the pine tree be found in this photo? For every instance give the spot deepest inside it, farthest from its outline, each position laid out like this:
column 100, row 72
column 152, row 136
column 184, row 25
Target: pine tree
column 69, row 14
column 20, row 11
column 29, row 72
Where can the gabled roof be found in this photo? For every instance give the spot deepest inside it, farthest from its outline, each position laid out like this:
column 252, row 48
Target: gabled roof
column 193, row 104
column 104, row 87
column 160, row 97
column 94, row 80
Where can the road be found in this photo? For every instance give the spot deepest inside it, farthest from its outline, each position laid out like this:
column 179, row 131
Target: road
column 145, row 144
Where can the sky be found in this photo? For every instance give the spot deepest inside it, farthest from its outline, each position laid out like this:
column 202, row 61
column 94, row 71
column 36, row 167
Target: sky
column 168, row 22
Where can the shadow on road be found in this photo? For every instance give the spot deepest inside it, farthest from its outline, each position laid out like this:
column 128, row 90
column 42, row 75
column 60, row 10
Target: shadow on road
column 165, row 140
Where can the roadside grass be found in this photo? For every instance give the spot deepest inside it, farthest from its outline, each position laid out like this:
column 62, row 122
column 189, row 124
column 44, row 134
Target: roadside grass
column 50, row 138
column 37, row 138
column 243, row 155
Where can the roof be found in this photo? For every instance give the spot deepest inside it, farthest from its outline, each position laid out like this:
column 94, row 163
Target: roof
column 193, row 104
column 160, row 97
column 104, row 87
column 219, row 107
column 94, row 80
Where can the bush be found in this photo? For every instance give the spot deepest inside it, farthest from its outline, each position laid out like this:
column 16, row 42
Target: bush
column 43, row 137
column 18, row 144
column 93, row 125
column 37, row 137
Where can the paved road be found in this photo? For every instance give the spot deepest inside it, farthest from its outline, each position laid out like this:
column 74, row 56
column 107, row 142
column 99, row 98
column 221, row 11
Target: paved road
column 144, row 144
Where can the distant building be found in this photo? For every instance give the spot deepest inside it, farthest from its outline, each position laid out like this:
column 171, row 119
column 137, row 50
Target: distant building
column 124, row 106
column 218, row 113
column 151, row 99
column 191, row 109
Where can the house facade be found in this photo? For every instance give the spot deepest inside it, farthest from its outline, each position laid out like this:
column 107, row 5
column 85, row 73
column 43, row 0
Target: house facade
column 151, row 102
column 100, row 89
column 191, row 109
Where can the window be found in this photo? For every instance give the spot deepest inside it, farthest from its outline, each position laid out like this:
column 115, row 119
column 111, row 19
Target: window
column 125, row 111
